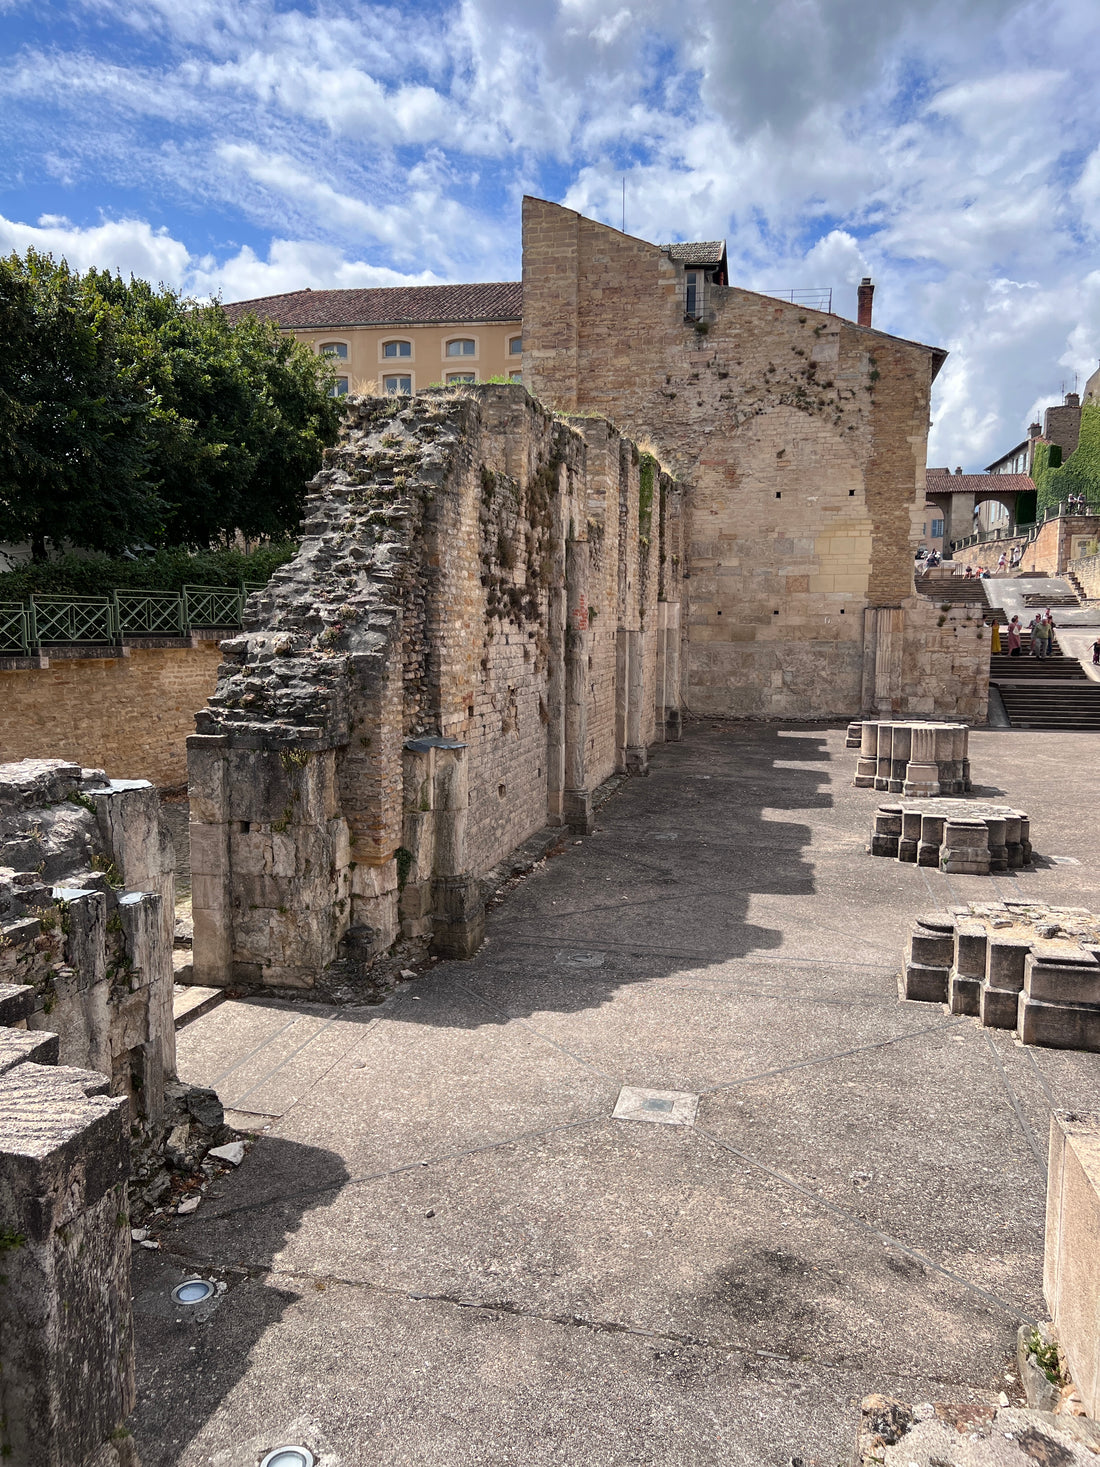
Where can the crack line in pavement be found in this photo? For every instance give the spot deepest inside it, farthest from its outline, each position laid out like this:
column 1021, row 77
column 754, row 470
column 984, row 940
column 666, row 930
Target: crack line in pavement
column 515, row 1019
column 1042, row 1079
column 269, row 1040
column 862, row 1224
column 826, row 1059
column 271, row 1073
column 568, row 1321
column 395, row 1171
column 519, row 938
column 1029, row 1134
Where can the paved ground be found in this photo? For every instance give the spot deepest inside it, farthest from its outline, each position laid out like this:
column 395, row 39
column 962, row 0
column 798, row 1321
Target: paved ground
column 445, row 1250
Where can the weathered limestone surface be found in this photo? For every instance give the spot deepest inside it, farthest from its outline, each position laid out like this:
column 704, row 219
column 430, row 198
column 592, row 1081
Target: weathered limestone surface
column 469, row 641
column 969, row 836
column 87, row 913
column 65, row 1321
column 1071, row 1255
column 800, row 439
column 895, row 1434
column 911, row 758
column 1015, row 964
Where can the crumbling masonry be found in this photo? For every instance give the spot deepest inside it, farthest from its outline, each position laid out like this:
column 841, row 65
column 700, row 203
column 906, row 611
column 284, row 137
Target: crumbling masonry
column 482, row 626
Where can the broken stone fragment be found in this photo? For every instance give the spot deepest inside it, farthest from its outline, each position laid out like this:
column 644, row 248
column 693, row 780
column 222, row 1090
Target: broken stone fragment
column 189, row 1204
column 233, row 1153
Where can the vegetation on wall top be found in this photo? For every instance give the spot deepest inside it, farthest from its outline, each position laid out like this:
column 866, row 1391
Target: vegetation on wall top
column 167, row 570
column 1080, row 474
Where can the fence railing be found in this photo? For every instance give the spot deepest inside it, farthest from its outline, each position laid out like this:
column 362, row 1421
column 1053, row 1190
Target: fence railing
column 26, row 626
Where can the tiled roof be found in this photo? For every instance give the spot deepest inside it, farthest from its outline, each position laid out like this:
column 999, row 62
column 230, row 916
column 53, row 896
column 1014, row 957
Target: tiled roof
column 703, row 252
column 401, row 305
column 937, row 481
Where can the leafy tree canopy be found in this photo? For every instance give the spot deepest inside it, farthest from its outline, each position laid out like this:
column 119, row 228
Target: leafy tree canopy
column 130, row 414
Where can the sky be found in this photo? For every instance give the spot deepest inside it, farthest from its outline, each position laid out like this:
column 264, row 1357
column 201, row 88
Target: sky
column 951, row 151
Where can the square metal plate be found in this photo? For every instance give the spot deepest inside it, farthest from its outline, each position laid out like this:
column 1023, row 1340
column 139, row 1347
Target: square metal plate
column 664, row 1107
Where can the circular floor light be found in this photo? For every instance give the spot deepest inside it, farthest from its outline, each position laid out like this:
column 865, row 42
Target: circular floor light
column 193, row 1291
column 289, row 1457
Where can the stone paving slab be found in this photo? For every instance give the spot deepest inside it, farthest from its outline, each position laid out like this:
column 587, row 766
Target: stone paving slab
column 600, row 1292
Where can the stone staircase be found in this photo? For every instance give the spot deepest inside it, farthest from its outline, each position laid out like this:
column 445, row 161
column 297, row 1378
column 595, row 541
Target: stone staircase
column 1054, row 693
column 953, row 590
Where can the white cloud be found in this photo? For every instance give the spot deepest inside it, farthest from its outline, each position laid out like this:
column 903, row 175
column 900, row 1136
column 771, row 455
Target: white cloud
column 930, row 143
column 131, row 246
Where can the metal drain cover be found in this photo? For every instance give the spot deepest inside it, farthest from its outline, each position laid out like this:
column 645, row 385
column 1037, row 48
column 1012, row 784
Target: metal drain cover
column 665, row 1107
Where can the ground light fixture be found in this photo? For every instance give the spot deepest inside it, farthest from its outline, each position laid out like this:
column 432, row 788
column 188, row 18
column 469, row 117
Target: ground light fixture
column 289, row 1457
column 194, row 1291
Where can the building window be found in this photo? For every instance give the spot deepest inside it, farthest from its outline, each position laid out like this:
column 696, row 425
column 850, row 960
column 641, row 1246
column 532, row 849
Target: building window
column 334, row 349
column 515, row 346
column 339, row 388
column 397, row 349
column 397, row 386
column 462, row 348
column 937, row 529
column 461, row 377
column 691, row 293
column 515, row 376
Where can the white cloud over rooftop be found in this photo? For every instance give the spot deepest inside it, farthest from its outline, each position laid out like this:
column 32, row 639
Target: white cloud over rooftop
column 949, row 149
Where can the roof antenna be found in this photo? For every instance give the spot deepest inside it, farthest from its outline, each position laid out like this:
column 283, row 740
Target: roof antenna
column 624, row 203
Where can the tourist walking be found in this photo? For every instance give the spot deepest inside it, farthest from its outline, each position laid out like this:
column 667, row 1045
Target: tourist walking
column 1002, row 563
column 1096, row 653
column 995, row 639
column 1014, row 637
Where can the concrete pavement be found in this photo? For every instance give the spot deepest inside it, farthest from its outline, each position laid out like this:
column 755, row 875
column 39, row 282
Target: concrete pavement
column 443, row 1248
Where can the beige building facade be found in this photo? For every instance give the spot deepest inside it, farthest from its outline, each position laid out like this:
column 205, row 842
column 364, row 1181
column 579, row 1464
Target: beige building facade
column 800, row 439
column 394, row 342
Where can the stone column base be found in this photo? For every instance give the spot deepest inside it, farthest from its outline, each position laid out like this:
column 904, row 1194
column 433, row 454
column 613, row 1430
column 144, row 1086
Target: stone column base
column 458, row 917
column 577, row 809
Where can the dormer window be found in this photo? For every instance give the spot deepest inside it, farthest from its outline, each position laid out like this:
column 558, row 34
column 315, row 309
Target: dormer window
column 397, row 349
column 464, row 347
column 338, row 349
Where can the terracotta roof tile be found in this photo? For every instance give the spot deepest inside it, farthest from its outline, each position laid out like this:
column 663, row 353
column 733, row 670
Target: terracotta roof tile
column 939, row 481
column 402, row 305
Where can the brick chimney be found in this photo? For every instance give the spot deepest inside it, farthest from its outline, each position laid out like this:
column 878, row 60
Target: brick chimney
column 1034, row 429
column 1072, row 400
column 864, row 296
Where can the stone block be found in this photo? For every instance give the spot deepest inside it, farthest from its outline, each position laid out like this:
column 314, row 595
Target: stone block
column 971, row 944
column 925, row 983
column 1005, row 959
column 1058, row 1025
column 1071, row 1255
column 998, row 1007
column 1065, row 978
column 936, row 949
column 964, row 993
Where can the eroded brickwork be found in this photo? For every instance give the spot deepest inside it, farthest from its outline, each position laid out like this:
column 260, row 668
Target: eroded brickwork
column 800, row 440
column 467, row 643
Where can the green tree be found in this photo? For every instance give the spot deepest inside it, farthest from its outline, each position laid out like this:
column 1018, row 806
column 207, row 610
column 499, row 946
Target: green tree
column 129, row 413
column 73, row 425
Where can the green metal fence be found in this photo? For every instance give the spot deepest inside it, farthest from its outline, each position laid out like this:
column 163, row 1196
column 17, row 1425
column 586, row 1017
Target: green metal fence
column 105, row 620
column 73, row 619
column 212, row 606
column 149, row 613
column 15, row 629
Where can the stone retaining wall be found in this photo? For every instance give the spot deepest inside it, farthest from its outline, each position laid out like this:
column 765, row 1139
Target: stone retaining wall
column 130, row 714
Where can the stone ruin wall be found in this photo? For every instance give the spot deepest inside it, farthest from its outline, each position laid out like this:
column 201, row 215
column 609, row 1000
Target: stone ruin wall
column 87, row 1088
column 481, row 625
column 800, row 438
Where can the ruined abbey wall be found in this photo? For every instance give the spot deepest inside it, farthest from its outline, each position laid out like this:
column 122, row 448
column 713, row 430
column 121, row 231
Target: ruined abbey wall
column 800, row 440
column 481, row 625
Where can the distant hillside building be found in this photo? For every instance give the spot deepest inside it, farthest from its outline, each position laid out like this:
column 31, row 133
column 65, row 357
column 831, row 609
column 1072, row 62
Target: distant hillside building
column 394, row 341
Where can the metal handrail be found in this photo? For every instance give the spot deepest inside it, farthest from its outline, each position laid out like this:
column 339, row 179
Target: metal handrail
column 16, row 623
column 212, row 606
column 73, row 619
column 149, row 613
